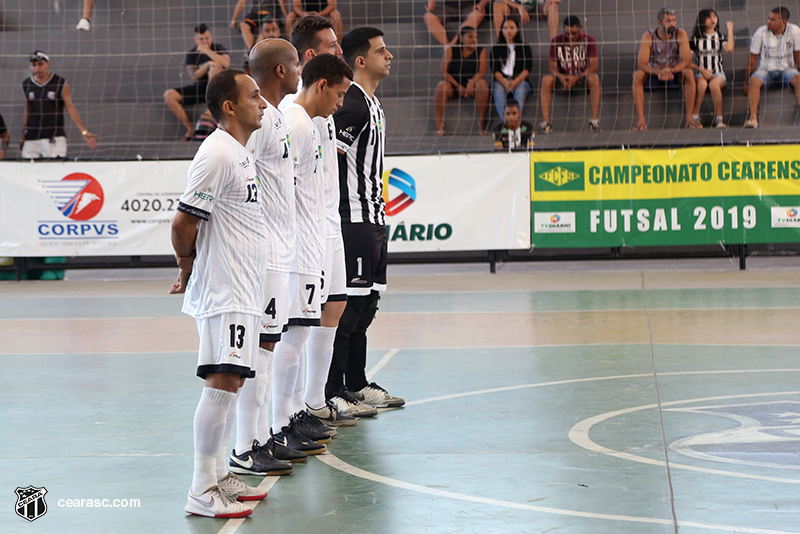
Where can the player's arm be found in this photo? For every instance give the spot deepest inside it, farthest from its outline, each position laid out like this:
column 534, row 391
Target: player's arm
column 330, row 8
column 446, row 59
column 643, row 59
column 796, row 58
column 297, row 7
column 685, row 51
column 594, row 67
column 184, row 234
column 24, row 123
column 728, row 45
column 90, row 138
column 748, row 71
column 350, row 120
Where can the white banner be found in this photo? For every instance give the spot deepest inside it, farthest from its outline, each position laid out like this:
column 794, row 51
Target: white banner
column 461, row 202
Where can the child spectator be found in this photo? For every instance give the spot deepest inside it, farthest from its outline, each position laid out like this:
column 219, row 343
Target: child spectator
column 707, row 44
column 512, row 62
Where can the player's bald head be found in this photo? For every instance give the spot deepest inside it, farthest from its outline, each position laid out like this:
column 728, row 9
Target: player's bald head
column 266, row 55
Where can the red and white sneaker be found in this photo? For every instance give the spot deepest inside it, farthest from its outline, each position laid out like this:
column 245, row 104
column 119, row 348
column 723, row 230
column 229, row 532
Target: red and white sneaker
column 214, row 502
column 236, row 487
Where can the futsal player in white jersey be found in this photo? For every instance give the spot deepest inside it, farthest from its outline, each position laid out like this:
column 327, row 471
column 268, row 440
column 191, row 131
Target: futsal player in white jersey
column 313, row 35
column 325, row 82
column 220, row 242
column 274, row 65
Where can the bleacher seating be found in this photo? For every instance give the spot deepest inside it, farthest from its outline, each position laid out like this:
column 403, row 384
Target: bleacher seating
column 120, row 69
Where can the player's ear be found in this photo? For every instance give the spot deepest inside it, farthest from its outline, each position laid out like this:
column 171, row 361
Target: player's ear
column 229, row 107
column 280, row 70
column 310, row 54
column 322, row 85
column 361, row 62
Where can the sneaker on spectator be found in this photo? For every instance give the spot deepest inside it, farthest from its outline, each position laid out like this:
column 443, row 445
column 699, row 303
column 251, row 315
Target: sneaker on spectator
column 545, row 127
column 257, row 461
column 719, row 123
column 310, row 427
column 238, row 489
column 377, row 397
column 594, row 127
column 283, row 453
column 329, row 415
column 83, row 25
column 346, row 403
column 290, row 437
column 215, row 502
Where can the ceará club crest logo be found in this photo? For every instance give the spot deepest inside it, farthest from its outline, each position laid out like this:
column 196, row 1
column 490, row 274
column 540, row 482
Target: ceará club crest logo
column 78, row 196
column 404, row 188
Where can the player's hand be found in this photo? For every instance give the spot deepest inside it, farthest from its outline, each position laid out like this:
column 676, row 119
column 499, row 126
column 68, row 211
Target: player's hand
column 234, row 24
column 185, row 263
column 523, row 15
column 570, row 81
column 203, row 48
column 180, row 285
column 91, row 140
column 22, row 143
column 706, row 74
column 729, row 25
column 746, row 88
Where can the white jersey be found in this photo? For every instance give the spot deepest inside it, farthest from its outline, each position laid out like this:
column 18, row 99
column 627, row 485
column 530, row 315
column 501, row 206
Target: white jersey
column 330, row 168
column 306, row 154
column 269, row 145
column 776, row 51
column 232, row 242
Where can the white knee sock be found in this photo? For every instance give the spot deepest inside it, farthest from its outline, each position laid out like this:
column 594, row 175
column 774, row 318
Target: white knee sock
column 222, row 456
column 209, row 425
column 265, row 387
column 298, row 398
column 250, row 404
column 319, row 350
column 285, row 367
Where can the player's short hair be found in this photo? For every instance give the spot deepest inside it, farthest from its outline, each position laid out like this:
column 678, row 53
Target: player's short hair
column 664, row 11
column 305, row 32
column 326, row 67
column 782, row 12
column 465, row 29
column 356, row 43
column 511, row 102
column 201, row 28
column 222, row 87
column 572, row 21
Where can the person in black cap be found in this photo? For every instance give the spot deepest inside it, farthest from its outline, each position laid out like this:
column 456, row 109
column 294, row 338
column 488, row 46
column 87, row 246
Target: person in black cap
column 47, row 95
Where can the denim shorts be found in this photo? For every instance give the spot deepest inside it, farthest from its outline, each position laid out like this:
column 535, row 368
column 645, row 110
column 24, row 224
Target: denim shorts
column 775, row 77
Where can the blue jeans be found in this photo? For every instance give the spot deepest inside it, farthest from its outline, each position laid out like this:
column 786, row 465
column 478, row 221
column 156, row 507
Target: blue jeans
column 499, row 93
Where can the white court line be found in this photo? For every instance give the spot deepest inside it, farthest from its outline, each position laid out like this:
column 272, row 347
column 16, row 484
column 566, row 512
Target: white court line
column 332, row 461
column 579, row 435
column 378, row 366
column 232, row 525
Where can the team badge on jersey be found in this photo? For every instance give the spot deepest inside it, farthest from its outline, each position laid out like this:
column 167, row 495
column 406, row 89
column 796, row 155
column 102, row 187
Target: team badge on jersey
column 30, row 503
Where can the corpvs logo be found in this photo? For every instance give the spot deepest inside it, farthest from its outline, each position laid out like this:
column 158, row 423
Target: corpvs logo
column 400, row 192
column 79, row 198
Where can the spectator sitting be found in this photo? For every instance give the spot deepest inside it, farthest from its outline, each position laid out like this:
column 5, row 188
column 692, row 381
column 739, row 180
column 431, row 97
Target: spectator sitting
column 707, row 43
column 4, row 138
column 513, row 132
column 664, row 57
column 436, row 17
column 573, row 62
column 464, row 68
column 47, row 95
column 270, row 29
column 252, row 21
column 203, row 61
column 775, row 48
column 512, row 62
column 540, row 9
column 324, row 8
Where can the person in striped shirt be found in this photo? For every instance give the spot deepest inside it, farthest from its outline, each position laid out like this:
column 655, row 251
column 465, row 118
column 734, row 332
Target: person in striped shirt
column 707, row 44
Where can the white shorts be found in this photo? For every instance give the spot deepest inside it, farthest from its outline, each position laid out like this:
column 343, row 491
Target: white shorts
column 44, row 148
column 228, row 344
column 334, row 279
column 305, row 308
column 278, row 305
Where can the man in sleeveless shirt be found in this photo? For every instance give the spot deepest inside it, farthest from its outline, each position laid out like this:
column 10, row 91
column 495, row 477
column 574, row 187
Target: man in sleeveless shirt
column 47, row 95
column 664, row 62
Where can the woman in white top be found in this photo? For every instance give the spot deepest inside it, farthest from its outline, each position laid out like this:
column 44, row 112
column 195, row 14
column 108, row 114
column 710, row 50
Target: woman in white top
column 707, row 44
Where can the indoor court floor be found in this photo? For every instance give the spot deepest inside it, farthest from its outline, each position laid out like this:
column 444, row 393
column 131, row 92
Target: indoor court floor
column 624, row 397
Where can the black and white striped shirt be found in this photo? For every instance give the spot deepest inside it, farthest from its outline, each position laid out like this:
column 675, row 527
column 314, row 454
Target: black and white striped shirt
column 708, row 51
column 360, row 134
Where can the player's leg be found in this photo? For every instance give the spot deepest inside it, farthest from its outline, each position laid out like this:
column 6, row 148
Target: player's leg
column 546, row 95
column 701, row 87
column 637, row 88
column 482, row 94
column 715, row 86
column 435, row 26
column 444, row 92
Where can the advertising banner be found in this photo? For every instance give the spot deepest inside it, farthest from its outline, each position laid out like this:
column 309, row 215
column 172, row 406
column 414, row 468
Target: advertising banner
column 458, row 202
column 461, row 202
column 693, row 196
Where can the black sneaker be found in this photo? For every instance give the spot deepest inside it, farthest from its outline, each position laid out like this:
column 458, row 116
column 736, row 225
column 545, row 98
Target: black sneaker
column 257, row 461
column 293, row 439
column 311, row 428
column 279, row 450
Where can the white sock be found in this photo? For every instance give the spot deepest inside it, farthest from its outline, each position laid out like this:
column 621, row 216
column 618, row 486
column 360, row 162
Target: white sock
column 209, row 425
column 265, row 388
column 319, row 350
column 298, row 397
column 250, row 404
column 222, row 456
column 285, row 367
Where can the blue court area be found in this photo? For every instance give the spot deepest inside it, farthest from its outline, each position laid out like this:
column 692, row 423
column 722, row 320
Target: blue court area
column 624, row 397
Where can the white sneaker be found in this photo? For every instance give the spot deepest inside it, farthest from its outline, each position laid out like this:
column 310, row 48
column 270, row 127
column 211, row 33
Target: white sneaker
column 236, row 487
column 83, row 25
column 376, row 396
column 330, row 416
column 215, row 503
column 719, row 123
column 347, row 404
